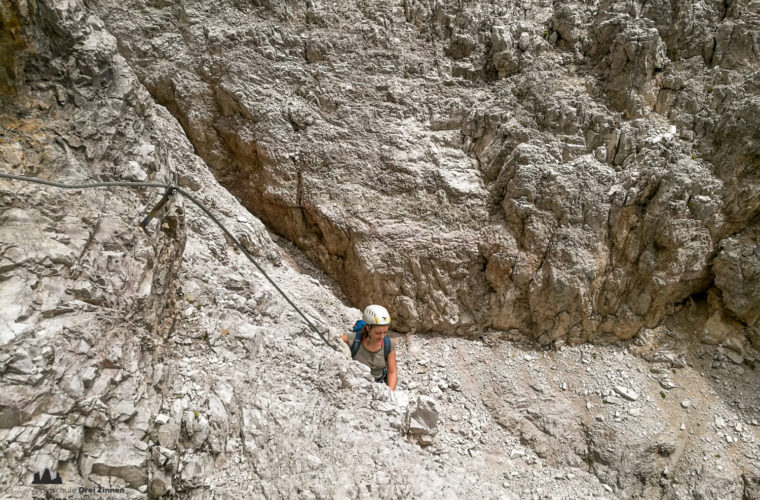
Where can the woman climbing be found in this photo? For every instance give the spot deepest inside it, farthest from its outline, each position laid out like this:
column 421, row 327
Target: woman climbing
column 370, row 344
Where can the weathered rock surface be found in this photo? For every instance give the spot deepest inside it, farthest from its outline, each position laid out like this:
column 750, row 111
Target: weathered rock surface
column 737, row 274
column 503, row 174
column 569, row 169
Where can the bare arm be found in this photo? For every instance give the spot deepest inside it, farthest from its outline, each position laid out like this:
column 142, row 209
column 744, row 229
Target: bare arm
column 392, row 375
column 344, row 338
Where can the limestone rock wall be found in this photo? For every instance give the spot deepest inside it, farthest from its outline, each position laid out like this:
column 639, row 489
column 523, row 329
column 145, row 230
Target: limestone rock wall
column 472, row 165
column 566, row 169
column 160, row 363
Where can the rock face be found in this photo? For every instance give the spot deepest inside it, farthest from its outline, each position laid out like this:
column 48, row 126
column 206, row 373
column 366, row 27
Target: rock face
column 737, row 274
column 557, row 171
column 568, row 169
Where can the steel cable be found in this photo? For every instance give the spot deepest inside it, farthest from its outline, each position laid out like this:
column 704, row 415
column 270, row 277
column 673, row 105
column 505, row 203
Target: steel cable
column 196, row 203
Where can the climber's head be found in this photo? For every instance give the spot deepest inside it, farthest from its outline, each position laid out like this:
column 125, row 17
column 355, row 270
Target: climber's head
column 377, row 319
column 376, row 315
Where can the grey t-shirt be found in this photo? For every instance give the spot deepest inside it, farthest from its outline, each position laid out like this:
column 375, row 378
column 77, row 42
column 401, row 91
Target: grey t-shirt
column 375, row 360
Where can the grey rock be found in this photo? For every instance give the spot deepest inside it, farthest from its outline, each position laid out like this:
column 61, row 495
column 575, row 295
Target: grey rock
column 193, row 470
column 523, row 41
column 422, row 417
column 751, row 484
column 219, row 425
column 734, row 357
column 612, row 400
column 627, row 393
column 122, row 459
column 72, row 438
column 168, row 434
column 123, row 411
column 165, row 458
column 88, row 375
column 22, row 364
column 159, row 485
column 10, row 417
column 667, row 383
column 719, row 328
column 95, row 413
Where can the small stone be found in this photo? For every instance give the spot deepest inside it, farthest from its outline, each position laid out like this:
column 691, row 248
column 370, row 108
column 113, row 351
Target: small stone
column 161, row 419
column 22, row 364
column 73, row 438
column 628, row 394
column 719, row 422
column 683, row 426
column 83, row 347
column 666, row 383
column 524, row 41
column 159, row 486
column 739, row 427
column 516, row 454
column 168, row 434
column 612, row 400
column 686, row 403
column 88, row 375
column 735, row 357
column 123, row 411
column 426, row 440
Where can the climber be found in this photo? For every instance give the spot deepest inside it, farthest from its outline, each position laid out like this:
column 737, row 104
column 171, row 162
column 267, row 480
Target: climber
column 370, row 344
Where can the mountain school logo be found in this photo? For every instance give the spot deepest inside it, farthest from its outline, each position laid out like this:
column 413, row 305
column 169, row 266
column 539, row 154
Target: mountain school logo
column 47, row 477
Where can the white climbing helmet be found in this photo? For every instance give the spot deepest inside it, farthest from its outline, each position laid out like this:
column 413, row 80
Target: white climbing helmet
column 376, row 315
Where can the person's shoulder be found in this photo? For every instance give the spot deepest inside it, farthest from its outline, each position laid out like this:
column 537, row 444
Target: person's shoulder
column 393, row 345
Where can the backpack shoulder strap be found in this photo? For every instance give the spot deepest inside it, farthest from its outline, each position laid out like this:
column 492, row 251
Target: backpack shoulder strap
column 386, row 346
column 386, row 352
column 357, row 344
